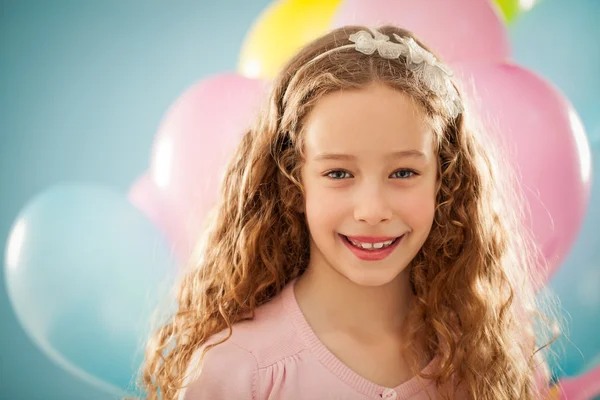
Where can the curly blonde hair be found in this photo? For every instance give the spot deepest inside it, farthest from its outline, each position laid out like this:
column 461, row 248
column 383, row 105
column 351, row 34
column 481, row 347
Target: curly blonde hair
column 475, row 278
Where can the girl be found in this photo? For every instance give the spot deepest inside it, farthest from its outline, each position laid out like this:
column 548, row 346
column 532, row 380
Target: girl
column 364, row 246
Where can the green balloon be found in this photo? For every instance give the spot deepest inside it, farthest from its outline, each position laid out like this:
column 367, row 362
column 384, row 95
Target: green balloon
column 510, row 9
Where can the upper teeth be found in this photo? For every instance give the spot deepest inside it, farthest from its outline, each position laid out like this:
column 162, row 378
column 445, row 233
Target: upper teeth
column 371, row 245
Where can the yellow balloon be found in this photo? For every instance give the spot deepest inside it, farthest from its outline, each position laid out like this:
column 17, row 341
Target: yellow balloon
column 554, row 393
column 280, row 31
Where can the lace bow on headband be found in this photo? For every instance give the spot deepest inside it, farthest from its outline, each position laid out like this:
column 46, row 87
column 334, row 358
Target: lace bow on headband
column 424, row 66
column 422, row 63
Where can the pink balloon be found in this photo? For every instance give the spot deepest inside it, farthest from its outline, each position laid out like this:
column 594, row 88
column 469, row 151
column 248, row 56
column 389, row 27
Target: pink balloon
column 584, row 387
column 458, row 30
column 545, row 140
column 144, row 195
column 194, row 142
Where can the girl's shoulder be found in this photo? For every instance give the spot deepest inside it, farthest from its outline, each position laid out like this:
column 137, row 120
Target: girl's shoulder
column 271, row 327
column 269, row 336
column 226, row 371
column 230, row 369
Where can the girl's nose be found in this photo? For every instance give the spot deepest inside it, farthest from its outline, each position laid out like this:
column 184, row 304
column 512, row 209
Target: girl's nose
column 371, row 205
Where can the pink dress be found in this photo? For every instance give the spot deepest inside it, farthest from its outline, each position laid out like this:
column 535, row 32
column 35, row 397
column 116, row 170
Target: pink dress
column 278, row 356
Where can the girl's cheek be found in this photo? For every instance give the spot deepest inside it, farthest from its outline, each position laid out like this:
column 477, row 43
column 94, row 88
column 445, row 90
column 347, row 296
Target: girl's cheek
column 419, row 206
column 326, row 204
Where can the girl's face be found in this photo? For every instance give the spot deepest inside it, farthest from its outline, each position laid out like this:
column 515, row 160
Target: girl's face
column 370, row 170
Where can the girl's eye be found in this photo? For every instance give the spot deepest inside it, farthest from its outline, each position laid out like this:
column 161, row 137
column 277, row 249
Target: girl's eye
column 338, row 174
column 405, row 173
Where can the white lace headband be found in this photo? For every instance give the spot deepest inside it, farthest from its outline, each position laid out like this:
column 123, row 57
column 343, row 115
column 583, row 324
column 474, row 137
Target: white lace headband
column 425, row 67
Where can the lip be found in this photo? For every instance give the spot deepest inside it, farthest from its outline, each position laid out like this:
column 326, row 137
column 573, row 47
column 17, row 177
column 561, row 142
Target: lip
column 371, row 255
column 372, row 239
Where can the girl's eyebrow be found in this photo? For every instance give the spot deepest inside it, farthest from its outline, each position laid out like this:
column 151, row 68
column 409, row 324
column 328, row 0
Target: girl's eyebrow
column 396, row 154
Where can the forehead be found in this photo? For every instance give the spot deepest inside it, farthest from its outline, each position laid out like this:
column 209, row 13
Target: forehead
column 376, row 120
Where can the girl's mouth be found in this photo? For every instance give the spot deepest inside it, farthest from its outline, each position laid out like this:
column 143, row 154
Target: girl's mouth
column 371, row 254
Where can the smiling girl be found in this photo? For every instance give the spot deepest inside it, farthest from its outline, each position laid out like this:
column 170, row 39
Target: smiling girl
column 363, row 248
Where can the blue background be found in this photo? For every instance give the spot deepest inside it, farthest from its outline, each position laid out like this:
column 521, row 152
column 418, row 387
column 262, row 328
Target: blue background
column 83, row 86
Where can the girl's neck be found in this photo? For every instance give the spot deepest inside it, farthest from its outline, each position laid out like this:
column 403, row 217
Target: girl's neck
column 332, row 302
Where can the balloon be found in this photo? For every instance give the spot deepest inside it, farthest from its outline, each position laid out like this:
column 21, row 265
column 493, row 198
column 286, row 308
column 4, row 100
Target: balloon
column 582, row 387
column 554, row 394
column 559, row 40
column 544, row 139
column 194, row 142
column 511, row 9
column 508, row 8
column 458, row 30
column 280, row 31
column 577, row 285
column 145, row 196
column 84, row 271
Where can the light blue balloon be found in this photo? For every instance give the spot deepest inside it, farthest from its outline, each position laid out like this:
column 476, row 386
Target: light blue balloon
column 577, row 284
column 84, row 272
column 559, row 39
